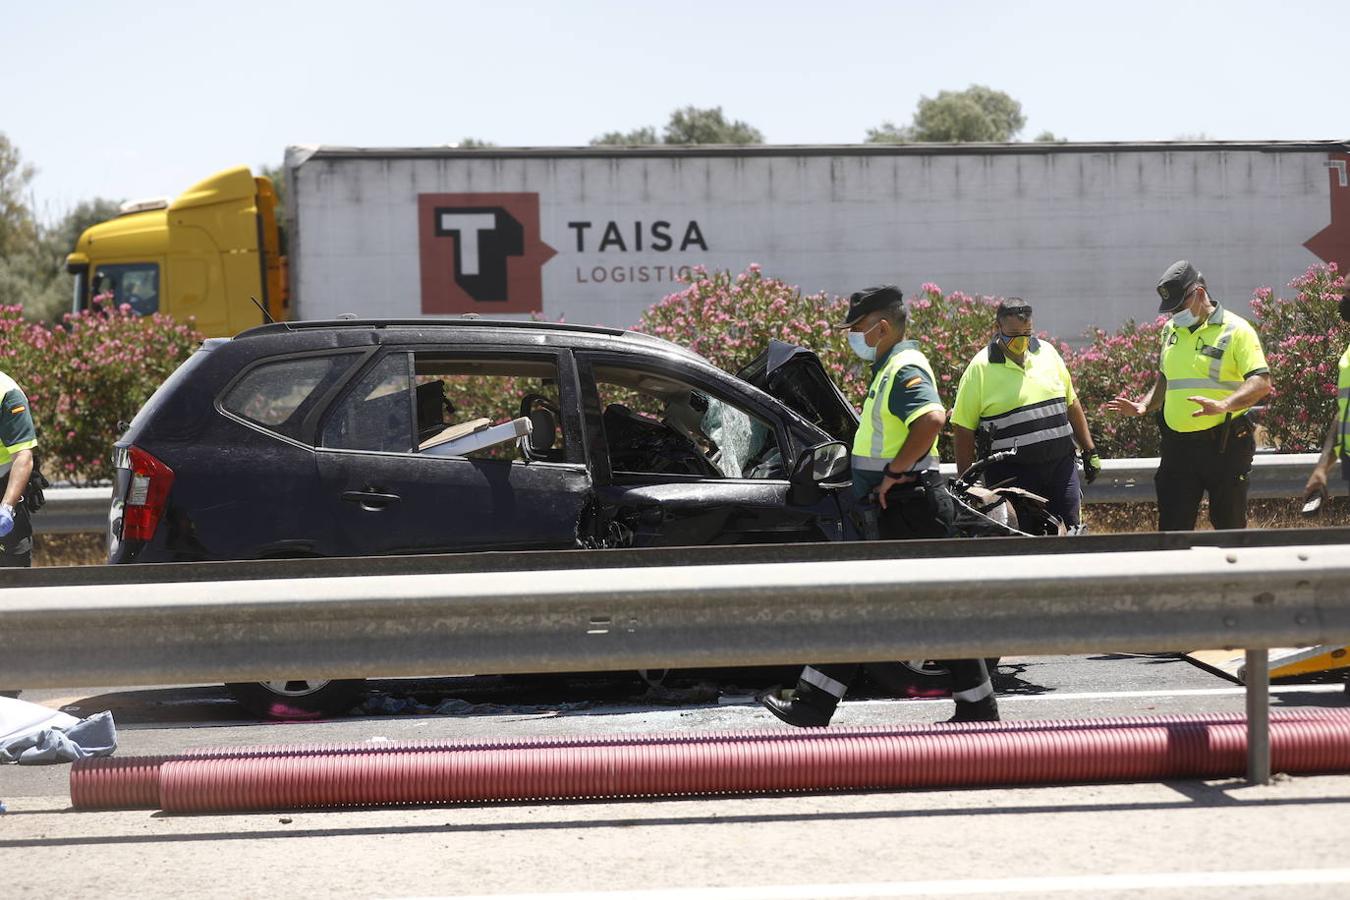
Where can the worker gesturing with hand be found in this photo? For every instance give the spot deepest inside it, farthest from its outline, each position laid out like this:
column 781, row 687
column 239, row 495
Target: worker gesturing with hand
column 1337, row 443
column 1211, row 370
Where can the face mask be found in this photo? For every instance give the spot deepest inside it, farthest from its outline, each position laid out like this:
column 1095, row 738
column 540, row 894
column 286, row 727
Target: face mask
column 1016, row 344
column 857, row 342
column 1345, row 308
column 1184, row 318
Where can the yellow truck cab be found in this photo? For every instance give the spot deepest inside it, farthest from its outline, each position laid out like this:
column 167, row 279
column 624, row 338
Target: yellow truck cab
column 200, row 256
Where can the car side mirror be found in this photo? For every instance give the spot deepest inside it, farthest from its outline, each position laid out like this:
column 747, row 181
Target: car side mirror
column 823, row 464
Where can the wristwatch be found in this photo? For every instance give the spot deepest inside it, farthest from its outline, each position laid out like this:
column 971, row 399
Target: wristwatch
column 889, row 474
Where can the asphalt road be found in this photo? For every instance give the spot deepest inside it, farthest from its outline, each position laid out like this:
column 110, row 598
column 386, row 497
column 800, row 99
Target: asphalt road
column 1116, row 840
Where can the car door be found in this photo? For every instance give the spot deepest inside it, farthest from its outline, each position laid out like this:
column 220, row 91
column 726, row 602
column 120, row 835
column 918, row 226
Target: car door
column 795, row 377
column 394, row 483
column 653, row 487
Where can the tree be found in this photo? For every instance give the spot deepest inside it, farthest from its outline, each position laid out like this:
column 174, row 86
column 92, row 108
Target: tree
column 18, row 229
column 687, row 125
column 1048, row 137
column 692, row 125
column 890, row 133
column 37, row 277
column 473, row 143
column 33, row 256
column 59, row 240
column 978, row 113
column 637, row 137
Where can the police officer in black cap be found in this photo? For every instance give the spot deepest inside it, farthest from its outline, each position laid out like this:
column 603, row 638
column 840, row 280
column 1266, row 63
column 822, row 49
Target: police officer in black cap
column 895, row 466
column 1211, row 370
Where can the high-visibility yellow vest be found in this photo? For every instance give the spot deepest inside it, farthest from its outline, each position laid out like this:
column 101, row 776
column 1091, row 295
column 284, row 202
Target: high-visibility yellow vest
column 1343, row 406
column 1212, row 361
column 1024, row 406
column 881, row 433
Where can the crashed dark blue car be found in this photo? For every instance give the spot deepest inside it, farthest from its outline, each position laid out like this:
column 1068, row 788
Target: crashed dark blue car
column 364, row 438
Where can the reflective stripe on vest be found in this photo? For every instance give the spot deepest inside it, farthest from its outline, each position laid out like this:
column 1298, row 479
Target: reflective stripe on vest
column 1040, row 429
column 1202, row 384
column 881, row 433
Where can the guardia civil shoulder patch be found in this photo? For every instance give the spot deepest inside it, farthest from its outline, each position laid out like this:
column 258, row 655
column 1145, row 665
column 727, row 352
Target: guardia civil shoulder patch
column 18, row 409
column 917, row 379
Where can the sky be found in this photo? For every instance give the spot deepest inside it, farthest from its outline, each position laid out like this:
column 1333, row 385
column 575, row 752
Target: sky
column 137, row 99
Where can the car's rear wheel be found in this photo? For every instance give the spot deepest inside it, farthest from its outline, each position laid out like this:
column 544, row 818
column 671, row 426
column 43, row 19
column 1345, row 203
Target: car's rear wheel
column 298, row 698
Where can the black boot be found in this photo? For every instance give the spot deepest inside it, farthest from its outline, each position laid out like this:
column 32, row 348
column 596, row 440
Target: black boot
column 810, row 707
column 985, row 710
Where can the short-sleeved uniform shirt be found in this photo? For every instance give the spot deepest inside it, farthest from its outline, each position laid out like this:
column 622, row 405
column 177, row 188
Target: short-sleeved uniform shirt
column 16, row 424
column 909, row 395
column 1210, row 359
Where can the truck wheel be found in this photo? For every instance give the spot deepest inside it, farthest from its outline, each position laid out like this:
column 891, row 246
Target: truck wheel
column 298, row 699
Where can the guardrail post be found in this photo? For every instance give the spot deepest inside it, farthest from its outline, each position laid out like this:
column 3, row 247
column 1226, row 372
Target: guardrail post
column 1257, row 678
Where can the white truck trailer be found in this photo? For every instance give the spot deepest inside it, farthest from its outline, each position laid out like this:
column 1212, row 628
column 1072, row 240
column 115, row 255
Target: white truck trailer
column 597, row 234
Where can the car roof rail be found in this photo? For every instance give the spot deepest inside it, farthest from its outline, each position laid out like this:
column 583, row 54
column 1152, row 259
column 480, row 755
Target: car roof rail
column 470, row 320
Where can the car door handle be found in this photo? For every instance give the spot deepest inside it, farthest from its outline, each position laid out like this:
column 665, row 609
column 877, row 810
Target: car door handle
column 370, row 499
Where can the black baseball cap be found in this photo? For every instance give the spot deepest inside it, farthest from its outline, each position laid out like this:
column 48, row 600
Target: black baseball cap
column 1179, row 278
column 869, row 300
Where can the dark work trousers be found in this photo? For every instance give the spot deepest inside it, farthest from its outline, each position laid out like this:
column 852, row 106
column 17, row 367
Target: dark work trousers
column 1056, row 480
column 909, row 514
column 16, row 548
column 1197, row 464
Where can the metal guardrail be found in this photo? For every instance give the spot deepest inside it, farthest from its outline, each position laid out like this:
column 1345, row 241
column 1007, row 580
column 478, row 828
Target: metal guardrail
column 72, row 510
column 734, row 614
column 1274, row 476
column 230, row 629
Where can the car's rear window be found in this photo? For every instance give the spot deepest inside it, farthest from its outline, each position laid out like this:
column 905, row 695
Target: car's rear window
column 277, row 395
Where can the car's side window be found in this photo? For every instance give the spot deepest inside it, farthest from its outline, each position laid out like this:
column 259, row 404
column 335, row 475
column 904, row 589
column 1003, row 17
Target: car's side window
column 376, row 414
column 278, row 395
column 657, row 423
column 474, row 406
column 478, row 405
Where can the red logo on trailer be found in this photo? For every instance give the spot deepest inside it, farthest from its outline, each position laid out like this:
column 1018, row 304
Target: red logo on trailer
column 1332, row 244
column 481, row 253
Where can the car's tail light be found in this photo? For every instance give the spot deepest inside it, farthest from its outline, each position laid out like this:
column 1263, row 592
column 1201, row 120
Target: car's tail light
column 146, row 497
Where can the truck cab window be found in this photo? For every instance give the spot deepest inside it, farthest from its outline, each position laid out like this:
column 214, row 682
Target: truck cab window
column 135, row 284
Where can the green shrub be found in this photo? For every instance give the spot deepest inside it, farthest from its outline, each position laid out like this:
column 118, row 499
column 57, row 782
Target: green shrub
column 1303, row 337
column 1111, row 364
column 729, row 319
column 85, row 376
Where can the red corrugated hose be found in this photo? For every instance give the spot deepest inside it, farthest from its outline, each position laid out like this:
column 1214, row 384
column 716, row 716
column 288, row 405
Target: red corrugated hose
column 281, row 777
